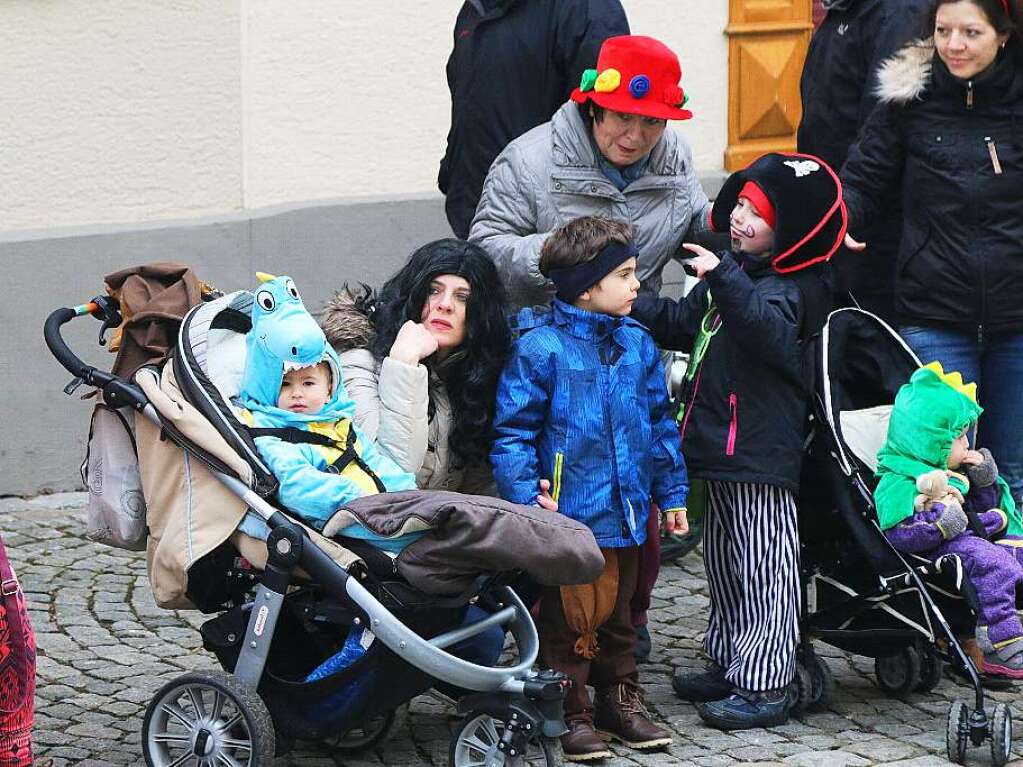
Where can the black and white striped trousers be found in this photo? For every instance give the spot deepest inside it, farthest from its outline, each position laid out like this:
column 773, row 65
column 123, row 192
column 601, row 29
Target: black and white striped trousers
column 751, row 550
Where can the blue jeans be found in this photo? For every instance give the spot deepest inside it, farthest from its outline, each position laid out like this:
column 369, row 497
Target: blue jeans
column 995, row 362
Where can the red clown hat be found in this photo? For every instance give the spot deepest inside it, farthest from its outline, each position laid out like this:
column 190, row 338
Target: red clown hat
column 635, row 75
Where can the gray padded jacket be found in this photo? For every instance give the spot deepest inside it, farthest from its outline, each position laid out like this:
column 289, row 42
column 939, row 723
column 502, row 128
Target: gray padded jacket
column 550, row 175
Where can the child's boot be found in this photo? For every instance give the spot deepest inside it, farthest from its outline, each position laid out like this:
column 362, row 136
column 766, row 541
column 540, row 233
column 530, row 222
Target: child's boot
column 581, row 743
column 621, row 715
column 746, row 709
column 702, row 686
column 1005, row 658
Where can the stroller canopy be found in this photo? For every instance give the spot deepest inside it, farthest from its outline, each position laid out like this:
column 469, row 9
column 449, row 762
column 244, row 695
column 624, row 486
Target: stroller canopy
column 862, row 362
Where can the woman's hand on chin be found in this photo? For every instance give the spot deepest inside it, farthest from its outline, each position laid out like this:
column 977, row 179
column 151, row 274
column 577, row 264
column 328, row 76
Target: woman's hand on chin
column 413, row 343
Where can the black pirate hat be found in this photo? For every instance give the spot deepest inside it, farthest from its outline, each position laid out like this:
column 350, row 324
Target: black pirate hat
column 806, row 194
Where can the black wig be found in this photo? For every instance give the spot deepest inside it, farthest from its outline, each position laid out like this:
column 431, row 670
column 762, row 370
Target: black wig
column 470, row 372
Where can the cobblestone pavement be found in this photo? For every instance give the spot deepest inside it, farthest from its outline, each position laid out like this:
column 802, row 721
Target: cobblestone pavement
column 105, row 647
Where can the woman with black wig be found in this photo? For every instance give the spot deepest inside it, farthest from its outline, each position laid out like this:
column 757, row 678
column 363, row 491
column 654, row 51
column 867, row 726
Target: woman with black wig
column 421, row 361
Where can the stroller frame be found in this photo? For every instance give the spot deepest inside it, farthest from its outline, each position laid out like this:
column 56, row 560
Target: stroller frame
column 527, row 704
column 964, row 725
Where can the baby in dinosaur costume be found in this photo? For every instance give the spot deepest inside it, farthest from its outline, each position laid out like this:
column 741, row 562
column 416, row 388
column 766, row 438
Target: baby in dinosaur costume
column 292, row 380
column 936, row 496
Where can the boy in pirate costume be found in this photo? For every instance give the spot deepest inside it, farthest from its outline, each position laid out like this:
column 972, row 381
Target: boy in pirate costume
column 936, row 496
column 747, row 326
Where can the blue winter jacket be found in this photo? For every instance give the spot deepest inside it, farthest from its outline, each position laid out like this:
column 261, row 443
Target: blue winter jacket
column 583, row 402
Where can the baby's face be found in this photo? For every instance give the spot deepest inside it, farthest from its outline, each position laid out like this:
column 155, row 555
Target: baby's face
column 960, row 448
column 306, row 390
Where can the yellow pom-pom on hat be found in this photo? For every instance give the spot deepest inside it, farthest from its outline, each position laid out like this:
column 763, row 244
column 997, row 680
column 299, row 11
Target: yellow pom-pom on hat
column 608, row 81
column 264, row 277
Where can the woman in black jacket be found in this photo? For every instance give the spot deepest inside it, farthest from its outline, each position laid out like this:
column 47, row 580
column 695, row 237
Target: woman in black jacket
column 948, row 132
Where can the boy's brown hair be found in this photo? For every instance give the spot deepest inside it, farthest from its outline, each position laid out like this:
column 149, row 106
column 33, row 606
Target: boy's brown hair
column 580, row 240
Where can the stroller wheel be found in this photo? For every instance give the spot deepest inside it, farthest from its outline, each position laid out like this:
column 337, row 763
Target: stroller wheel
column 931, row 668
column 207, row 718
column 476, row 739
column 367, row 734
column 957, row 732
column 1001, row 734
column 801, row 692
column 823, row 683
column 813, row 683
column 898, row 675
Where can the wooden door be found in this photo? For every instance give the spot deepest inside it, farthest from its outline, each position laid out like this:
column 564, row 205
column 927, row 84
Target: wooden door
column 767, row 42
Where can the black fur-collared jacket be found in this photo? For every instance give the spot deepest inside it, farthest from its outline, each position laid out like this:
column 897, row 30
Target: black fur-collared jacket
column 954, row 149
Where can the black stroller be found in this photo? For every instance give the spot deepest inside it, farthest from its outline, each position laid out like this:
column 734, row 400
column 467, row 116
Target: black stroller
column 278, row 622
column 860, row 594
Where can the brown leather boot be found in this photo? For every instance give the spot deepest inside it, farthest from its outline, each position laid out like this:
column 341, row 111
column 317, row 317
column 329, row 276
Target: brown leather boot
column 581, row 743
column 621, row 715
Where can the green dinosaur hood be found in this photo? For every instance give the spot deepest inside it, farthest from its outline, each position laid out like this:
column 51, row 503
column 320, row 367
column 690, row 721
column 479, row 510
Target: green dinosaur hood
column 929, row 414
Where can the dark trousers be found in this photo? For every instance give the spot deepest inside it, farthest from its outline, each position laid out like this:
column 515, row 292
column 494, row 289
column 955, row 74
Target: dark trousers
column 649, row 568
column 616, row 639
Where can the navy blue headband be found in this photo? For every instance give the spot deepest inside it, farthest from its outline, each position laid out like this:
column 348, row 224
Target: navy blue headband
column 573, row 281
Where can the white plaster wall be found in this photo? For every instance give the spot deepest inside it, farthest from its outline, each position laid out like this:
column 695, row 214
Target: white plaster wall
column 135, row 110
column 118, row 110
column 695, row 30
column 345, row 98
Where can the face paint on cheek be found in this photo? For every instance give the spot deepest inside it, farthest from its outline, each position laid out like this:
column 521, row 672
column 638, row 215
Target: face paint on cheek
column 748, row 232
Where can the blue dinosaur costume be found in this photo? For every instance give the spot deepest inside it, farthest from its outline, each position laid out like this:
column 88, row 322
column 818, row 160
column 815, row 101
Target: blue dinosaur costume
column 315, row 479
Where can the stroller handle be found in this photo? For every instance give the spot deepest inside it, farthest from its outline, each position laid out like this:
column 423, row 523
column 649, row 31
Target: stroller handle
column 116, row 391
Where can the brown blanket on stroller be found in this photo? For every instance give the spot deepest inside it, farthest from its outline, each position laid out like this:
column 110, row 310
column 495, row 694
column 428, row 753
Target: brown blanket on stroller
column 470, row 534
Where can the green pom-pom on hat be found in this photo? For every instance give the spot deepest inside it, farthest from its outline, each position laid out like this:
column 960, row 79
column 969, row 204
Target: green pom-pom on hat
column 588, row 80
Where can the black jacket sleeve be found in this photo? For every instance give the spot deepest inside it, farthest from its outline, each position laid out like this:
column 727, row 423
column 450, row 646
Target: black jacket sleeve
column 765, row 323
column 673, row 324
column 583, row 27
column 874, row 167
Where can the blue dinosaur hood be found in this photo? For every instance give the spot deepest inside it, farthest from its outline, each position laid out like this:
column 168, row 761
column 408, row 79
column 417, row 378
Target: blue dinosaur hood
column 284, row 336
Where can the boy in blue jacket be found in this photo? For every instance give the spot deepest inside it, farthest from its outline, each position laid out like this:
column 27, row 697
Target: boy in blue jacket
column 583, row 414
column 747, row 326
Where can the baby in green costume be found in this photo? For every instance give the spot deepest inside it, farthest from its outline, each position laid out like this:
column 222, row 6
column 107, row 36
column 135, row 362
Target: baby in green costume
column 936, row 496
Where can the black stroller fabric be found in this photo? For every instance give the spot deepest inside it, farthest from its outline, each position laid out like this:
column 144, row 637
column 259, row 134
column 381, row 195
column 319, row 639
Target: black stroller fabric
column 859, row 597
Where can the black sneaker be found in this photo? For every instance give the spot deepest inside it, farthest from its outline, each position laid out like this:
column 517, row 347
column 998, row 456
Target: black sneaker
column 746, row 709
column 702, row 686
column 643, row 644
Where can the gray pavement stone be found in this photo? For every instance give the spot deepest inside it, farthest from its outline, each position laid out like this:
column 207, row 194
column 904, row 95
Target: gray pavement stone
column 105, row 648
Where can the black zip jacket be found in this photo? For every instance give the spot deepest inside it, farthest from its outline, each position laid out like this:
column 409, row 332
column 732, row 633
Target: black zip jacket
column 955, row 150
column 746, row 410
column 839, row 91
column 513, row 64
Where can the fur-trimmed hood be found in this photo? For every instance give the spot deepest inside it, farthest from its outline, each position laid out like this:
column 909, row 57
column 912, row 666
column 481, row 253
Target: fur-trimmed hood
column 344, row 322
column 905, row 76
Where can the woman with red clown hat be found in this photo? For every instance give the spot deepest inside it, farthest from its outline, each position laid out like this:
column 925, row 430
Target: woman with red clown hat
column 605, row 152
column 746, row 326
